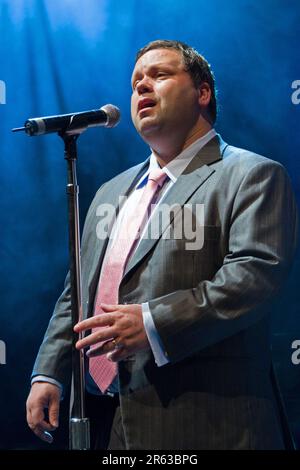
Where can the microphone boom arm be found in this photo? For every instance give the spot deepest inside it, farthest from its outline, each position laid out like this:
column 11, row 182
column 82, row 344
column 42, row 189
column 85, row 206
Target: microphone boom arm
column 72, row 123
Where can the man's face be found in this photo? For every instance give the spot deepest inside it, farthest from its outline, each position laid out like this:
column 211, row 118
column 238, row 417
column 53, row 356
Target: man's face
column 164, row 98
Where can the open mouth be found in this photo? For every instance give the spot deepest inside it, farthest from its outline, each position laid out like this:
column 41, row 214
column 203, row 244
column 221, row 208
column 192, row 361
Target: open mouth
column 145, row 103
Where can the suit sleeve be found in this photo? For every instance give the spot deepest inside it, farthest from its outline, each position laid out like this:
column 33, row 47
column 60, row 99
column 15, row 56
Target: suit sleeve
column 261, row 243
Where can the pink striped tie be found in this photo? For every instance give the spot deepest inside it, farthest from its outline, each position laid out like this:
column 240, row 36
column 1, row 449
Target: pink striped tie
column 102, row 369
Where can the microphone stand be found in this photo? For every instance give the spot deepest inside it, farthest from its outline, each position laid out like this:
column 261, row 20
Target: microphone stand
column 79, row 426
column 69, row 128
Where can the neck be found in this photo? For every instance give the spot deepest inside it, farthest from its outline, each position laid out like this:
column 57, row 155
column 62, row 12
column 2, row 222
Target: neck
column 166, row 149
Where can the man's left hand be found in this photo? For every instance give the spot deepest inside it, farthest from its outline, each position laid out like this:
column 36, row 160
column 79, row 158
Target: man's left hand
column 119, row 329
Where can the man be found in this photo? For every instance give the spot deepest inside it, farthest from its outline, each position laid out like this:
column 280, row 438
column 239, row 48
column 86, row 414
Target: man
column 189, row 328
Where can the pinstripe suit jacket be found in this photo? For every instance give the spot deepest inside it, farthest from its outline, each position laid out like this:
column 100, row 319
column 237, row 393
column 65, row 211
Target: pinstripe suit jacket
column 210, row 306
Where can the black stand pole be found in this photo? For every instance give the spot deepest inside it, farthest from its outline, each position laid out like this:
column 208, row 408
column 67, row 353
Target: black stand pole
column 79, row 437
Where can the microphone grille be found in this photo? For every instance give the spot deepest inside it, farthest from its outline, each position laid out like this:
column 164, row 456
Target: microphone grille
column 113, row 115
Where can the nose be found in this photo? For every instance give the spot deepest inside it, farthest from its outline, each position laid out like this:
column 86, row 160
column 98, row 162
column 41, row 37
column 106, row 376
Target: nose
column 144, row 85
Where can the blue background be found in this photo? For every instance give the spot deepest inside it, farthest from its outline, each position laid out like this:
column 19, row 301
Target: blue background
column 60, row 56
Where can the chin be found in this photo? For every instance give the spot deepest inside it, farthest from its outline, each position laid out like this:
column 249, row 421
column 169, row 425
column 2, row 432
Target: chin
column 147, row 127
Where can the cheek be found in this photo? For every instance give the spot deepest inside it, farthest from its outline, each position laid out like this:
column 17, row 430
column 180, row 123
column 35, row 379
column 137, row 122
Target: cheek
column 133, row 110
column 133, row 106
column 169, row 95
column 185, row 100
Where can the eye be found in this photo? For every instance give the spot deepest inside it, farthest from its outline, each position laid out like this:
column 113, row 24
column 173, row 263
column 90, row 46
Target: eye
column 162, row 74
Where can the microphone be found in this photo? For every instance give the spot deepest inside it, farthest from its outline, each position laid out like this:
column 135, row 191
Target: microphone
column 73, row 123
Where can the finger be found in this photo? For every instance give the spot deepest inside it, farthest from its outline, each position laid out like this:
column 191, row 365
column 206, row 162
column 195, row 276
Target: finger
column 105, row 319
column 40, row 427
column 110, row 307
column 96, row 337
column 37, row 419
column 42, row 434
column 39, row 424
column 54, row 412
column 117, row 355
column 104, row 348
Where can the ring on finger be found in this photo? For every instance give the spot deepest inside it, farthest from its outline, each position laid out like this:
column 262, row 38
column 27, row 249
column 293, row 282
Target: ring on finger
column 116, row 345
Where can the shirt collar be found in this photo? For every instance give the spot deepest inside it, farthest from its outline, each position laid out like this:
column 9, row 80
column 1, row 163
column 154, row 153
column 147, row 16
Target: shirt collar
column 176, row 166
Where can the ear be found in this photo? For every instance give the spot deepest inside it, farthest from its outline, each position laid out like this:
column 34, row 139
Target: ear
column 204, row 94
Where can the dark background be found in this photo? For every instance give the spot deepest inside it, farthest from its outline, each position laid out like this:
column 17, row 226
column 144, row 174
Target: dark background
column 60, row 56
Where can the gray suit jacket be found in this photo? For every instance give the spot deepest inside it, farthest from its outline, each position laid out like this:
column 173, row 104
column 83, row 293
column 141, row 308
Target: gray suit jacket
column 210, row 306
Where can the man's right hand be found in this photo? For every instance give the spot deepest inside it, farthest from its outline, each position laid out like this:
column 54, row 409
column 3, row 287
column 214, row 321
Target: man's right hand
column 43, row 395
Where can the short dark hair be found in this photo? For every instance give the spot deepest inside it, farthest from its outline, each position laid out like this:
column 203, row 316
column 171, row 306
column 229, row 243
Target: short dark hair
column 196, row 65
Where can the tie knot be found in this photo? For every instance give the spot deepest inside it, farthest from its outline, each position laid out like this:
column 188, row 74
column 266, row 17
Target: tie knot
column 158, row 176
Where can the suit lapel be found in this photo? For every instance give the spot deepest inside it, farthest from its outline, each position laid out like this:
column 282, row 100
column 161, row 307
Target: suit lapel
column 196, row 173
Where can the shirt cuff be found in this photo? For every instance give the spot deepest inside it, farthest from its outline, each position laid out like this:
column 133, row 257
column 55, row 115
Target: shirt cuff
column 45, row 378
column 160, row 355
